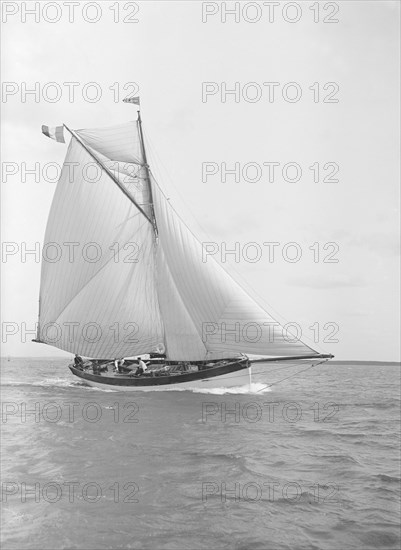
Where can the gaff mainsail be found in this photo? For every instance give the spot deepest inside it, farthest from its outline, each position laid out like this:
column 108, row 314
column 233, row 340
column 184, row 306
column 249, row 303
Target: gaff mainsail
column 138, row 277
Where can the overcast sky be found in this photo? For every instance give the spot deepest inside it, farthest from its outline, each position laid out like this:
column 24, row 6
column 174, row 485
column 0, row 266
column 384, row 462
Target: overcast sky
column 169, row 52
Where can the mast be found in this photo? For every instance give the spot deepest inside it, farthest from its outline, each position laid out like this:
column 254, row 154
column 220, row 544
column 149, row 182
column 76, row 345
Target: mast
column 37, row 339
column 147, row 174
column 109, row 173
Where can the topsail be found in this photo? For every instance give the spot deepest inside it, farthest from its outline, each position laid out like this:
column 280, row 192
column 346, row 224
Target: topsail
column 137, row 279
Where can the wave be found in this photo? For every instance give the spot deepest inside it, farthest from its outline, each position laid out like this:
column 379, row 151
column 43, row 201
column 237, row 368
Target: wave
column 322, row 432
column 341, row 458
column 388, row 479
column 56, row 383
column 387, row 404
column 305, row 497
column 253, row 388
column 217, row 456
column 47, row 383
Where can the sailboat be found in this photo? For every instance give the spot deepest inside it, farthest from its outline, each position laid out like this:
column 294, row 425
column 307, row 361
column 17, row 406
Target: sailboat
column 124, row 279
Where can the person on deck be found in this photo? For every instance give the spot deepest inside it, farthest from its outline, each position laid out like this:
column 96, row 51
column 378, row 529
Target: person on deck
column 78, row 361
column 142, row 367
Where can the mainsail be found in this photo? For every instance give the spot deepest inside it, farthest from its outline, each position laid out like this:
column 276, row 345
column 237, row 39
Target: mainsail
column 134, row 276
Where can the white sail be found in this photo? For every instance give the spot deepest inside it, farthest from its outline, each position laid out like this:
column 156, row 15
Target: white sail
column 120, row 142
column 93, row 301
column 206, row 313
column 119, row 148
column 119, row 290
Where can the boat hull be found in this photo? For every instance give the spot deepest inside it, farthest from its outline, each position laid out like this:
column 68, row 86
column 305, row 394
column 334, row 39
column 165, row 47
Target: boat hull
column 235, row 374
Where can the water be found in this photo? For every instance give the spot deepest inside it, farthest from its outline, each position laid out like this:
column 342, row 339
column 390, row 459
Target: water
column 310, row 463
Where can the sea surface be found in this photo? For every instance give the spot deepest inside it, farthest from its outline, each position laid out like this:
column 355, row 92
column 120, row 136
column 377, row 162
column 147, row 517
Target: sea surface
column 310, row 463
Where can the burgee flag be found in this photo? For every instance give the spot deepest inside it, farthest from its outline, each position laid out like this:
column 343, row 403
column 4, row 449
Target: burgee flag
column 132, row 100
column 56, row 133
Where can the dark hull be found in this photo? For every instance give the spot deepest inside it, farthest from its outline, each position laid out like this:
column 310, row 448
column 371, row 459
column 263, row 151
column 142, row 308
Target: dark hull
column 122, row 381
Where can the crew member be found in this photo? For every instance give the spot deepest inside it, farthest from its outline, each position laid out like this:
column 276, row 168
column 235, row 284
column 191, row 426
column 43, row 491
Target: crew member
column 142, row 367
column 78, row 361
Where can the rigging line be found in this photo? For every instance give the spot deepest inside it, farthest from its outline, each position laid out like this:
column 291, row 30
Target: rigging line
column 282, row 368
column 292, row 375
column 242, row 284
column 127, row 219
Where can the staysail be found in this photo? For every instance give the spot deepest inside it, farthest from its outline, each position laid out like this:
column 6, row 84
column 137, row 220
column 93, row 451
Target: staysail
column 128, row 287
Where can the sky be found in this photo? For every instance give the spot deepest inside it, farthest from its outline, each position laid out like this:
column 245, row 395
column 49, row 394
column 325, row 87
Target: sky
column 334, row 107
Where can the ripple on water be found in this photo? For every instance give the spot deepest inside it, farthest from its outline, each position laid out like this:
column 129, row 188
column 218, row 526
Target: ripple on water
column 335, row 482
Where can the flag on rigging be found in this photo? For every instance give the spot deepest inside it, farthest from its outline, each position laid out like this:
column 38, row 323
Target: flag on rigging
column 132, row 100
column 56, row 133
